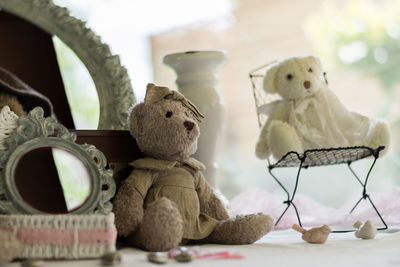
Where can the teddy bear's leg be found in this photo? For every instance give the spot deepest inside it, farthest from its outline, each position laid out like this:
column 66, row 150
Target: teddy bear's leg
column 282, row 138
column 161, row 228
column 241, row 230
column 380, row 136
column 262, row 149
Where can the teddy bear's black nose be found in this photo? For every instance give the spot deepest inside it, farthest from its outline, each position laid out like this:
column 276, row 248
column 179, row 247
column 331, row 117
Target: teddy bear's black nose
column 188, row 125
column 307, row 84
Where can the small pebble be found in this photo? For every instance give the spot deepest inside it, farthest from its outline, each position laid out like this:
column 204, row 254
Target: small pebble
column 157, row 257
column 112, row 258
column 184, row 256
column 178, row 250
column 183, row 249
column 32, row 263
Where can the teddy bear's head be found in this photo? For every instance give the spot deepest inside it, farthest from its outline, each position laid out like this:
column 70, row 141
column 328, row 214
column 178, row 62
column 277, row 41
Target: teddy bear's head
column 165, row 125
column 294, row 78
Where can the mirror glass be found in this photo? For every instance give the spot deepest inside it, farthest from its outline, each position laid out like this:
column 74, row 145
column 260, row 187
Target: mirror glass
column 52, row 180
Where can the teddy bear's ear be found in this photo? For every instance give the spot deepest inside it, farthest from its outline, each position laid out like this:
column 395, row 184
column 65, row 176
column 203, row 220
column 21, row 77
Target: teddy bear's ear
column 314, row 59
column 149, row 86
column 156, row 93
column 135, row 119
column 269, row 78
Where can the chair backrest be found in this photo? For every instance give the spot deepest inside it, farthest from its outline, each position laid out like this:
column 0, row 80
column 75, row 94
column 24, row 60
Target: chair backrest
column 260, row 97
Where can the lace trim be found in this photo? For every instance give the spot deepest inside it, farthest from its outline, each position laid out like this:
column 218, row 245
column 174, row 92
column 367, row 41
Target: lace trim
column 8, row 122
column 62, row 236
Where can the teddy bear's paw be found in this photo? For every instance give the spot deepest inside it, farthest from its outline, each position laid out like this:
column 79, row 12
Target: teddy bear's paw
column 10, row 247
column 282, row 139
column 242, row 229
column 161, row 228
column 262, row 151
column 380, row 137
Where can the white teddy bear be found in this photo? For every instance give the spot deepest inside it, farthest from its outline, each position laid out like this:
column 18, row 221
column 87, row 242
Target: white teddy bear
column 309, row 115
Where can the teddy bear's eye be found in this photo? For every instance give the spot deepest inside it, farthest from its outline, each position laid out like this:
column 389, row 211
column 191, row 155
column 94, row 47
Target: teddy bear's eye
column 310, row 70
column 289, row 76
column 168, row 114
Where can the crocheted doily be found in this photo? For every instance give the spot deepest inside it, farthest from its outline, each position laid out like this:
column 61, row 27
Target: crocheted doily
column 8, row 122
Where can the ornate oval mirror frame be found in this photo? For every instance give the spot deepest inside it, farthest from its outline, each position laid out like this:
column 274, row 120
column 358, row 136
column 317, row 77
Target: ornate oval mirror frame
column 110, row 78
column 35, row 131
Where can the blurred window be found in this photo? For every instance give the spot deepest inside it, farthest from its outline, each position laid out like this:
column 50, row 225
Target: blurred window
column 358, row 42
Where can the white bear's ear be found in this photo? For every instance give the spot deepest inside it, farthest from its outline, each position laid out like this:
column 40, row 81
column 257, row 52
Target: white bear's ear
column 269, row 78
column 315, row 60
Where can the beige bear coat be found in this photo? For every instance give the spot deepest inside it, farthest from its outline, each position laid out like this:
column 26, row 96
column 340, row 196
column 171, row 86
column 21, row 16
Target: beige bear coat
column 323, row 121
column 180, row 181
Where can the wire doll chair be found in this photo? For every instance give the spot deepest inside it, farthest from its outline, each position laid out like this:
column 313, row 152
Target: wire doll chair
column 313, row 157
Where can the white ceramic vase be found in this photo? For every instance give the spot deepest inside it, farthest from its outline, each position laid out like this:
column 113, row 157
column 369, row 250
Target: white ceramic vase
column 197, row 80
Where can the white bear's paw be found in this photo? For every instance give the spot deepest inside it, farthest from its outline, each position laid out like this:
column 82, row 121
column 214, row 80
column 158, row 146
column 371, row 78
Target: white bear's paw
column 380, row 136
column 262, row 151
column 282, row 138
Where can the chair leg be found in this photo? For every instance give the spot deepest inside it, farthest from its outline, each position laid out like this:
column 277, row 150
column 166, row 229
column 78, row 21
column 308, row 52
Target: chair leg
column 289, row 202
column 364, row 193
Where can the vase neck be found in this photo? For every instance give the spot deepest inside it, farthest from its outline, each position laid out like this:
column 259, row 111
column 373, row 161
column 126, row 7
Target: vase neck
column 201, row 78
column 197, row 68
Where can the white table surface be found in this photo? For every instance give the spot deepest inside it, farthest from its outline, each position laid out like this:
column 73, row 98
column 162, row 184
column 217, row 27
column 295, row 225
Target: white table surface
column 281, row 248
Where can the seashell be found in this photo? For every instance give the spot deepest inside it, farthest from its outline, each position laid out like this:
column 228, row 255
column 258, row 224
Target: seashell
column 366, row 231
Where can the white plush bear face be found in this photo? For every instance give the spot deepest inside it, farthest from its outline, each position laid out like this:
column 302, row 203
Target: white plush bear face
column 295, row 77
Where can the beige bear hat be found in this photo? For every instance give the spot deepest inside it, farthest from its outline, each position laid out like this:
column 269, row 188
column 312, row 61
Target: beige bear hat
column 153, row 96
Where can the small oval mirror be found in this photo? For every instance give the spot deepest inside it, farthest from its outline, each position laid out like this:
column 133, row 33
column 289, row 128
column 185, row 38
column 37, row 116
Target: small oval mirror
column 52, row 180
column 43, row 170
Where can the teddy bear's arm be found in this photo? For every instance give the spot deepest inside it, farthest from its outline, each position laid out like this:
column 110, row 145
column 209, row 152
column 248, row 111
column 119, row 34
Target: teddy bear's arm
column 214, row 208
column 279, row 112
column 128, row 202
column 210, row 204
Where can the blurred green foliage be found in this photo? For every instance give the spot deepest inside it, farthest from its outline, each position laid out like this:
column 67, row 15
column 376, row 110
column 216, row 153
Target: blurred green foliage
column 80, row 89
column 361, row 34
column 364, row 35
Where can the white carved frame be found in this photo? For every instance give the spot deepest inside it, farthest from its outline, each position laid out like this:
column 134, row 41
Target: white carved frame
column 110, row 78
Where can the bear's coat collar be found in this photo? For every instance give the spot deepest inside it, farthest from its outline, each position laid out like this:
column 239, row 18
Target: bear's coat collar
column 158, row 164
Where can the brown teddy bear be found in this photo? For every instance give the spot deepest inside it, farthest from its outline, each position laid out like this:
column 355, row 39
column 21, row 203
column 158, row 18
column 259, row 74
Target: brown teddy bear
column 12, row 102
column 166, row 201
column 19, row 96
